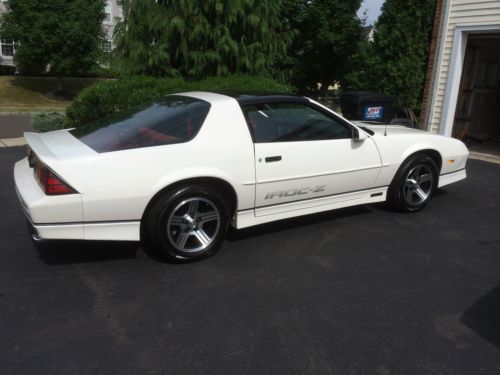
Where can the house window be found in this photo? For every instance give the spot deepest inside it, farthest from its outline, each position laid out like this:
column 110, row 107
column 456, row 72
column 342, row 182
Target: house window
column 107, row 47
column 107, row 13
column 7, row 48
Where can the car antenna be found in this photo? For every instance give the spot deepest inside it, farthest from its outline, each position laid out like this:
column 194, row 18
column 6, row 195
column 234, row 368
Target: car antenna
column 385, row 128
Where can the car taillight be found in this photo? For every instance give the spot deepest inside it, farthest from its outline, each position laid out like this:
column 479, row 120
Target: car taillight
column 49, row 182
column 31, row 157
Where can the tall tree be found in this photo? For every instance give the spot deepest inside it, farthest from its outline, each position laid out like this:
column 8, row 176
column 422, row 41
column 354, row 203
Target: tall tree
column 396, row 61
column 328, row 37
column 201, row 38
column 65, row 35
column 142, row 39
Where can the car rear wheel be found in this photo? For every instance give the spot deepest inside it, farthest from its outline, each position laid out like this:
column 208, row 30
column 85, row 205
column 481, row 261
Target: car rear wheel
column 414, row 184
column 187, row 224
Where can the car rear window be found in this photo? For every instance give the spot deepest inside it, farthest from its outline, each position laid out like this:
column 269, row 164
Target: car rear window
column 174, row 119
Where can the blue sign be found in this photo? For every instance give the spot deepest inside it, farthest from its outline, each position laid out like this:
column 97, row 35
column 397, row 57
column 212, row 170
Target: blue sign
column 373, row 113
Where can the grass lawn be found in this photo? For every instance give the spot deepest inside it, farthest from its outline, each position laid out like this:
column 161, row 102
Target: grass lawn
column 28, row 94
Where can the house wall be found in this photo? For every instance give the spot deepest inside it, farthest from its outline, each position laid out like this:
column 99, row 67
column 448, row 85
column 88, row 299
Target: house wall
column 4, row 60
column 115, row 15
column 456, row 14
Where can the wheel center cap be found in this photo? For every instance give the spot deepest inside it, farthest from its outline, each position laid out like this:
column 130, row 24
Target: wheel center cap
column 191, row 223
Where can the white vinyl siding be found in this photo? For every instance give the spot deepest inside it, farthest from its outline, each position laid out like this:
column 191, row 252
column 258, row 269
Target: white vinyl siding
column 461, row 13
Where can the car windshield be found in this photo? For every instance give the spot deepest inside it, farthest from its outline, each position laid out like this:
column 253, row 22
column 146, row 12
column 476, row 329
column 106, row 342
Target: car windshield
column 174, row 119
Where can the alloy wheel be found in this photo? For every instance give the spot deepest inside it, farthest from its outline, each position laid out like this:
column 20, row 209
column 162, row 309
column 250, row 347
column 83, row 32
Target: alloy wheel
column 193, row 225
column 418, row 185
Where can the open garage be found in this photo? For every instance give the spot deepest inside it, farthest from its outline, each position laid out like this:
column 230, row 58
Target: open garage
column 462, row 95
column 477, row 117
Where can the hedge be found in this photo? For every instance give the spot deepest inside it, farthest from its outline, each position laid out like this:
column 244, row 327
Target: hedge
column 107, row 97
column 48, row 121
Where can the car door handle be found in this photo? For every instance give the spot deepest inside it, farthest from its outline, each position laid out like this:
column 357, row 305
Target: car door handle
column 272, row 159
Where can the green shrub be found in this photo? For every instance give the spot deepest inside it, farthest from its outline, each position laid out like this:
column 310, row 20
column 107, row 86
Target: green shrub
column 48, row 121
column 107, row 97
column 6, row 70
column 244, row 84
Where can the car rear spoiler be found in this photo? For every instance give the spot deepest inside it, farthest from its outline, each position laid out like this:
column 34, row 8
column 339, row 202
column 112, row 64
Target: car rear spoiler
column 38, row 146
column 58, row 145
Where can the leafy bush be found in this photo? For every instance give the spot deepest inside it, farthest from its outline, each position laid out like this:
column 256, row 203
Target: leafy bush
column 111, row 96
column 7, row 70
column 107, row 97
column 48, row 121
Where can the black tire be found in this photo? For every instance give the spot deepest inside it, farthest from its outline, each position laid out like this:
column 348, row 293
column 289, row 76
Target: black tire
column 414, row 184
column 179, row 232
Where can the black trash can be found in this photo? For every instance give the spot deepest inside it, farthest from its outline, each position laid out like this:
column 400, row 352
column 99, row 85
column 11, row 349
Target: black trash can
column 367, row 106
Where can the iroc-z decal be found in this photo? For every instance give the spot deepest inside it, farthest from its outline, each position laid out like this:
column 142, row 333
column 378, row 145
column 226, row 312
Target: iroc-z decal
column 294, row 192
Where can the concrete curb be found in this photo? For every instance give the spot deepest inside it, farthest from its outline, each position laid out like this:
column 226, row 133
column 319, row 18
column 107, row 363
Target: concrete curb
column 12, row 142
column 484, row 157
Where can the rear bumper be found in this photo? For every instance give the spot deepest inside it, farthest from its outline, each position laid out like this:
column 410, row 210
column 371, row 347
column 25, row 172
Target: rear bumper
column 52, row 217
column 60, row 216
column 109, row 231
column 449, row 178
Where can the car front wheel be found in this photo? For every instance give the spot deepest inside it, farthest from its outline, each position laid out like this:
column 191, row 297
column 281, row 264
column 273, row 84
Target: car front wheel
column 414, row 184
column 187, row 224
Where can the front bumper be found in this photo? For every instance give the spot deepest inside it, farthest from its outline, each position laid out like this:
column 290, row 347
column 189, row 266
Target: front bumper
column 449, row 178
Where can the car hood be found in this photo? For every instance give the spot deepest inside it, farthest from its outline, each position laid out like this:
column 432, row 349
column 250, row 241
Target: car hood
column 391, row 129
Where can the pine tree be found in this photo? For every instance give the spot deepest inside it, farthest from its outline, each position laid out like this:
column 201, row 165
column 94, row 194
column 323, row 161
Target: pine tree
column 142, row 43
column 201, row 38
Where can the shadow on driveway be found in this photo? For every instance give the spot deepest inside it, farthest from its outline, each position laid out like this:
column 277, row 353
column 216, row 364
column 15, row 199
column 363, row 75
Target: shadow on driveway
column 57, row 252
column 483, row 317
column 301, row 221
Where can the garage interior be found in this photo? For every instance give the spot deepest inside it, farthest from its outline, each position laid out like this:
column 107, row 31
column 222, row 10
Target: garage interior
column 477, row 117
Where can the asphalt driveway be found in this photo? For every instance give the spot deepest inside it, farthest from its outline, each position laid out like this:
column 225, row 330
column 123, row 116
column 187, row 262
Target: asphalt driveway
column 357, row 291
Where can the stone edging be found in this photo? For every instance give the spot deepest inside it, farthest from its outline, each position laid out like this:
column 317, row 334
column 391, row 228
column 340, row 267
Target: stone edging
column 12, row 142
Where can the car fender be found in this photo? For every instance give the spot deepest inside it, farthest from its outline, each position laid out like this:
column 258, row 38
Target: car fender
column 395, row 153
column 416, row 148
column 244, row 193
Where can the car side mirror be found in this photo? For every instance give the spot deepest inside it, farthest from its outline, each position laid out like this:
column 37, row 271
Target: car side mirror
column 358, row 136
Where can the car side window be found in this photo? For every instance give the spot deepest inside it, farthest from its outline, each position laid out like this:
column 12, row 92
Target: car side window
column 292, row 122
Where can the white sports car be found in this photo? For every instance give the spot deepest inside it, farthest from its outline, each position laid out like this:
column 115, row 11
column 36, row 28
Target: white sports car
column 179, row 171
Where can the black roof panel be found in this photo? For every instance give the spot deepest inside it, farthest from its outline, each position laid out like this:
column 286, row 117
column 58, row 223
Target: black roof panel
column 259, row 97
column 253, row 99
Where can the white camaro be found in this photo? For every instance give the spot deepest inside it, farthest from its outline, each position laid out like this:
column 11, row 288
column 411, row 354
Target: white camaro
column 178, row 172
